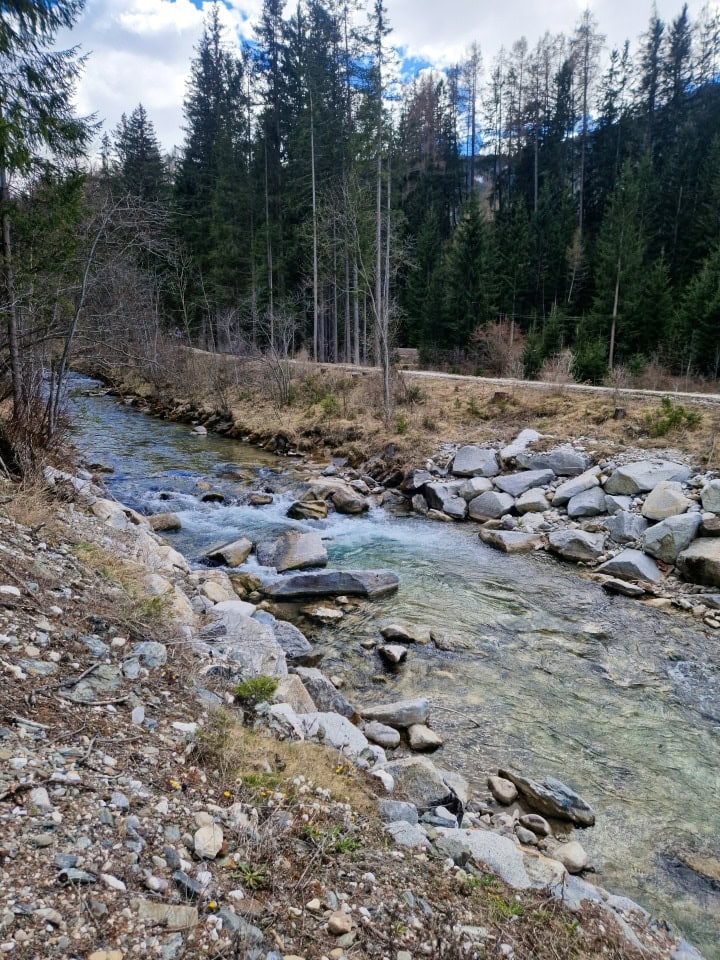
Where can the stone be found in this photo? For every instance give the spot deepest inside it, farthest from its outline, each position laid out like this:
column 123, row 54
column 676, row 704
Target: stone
column 401, row 714
column 40, row 800
column 111, row 513
column 446, row 498
column 337, row 732
column 589, row 503
column 710, row 496
column 423, row 739
column 420, row 782
column 294, row 550
column 473, row 487
column 407, row 835
column 615, row 503
column 710, row 525
column 626, row 527
column 643, row 476
column 415, row 480
column 532, row 501
column 450, row 642
column 686, row 951
column 308, row 510
column 666, row 500
column 700, row 562
column 393, row 653
column 218, row 590
column 518, row 483
column 624, row 588
column 392, row 811
column 577, row 545
column 330, row 583
column 246, row 932
column 487, row 849
column 247, row 644
column 339, row 923
column 382, row 735
column 230, row 554
column 405, row 633
column 199, row 431
column 165, row 521
column 490, row 506
column 420, row 504
column 512, row 541
column 150, row 653
column 553, row 798
column 525, row 836
column 172, row 916
column 572, row 856
column 504, row 791
column 670, row 537
column 520, row 443
column 324, row 692
column 536, row 823
column 208, row 841
column 473, row 461
column 292, row 691
column 294, row 643
column 564, row 461
column 348, row 501
column 260, row 499
column 576, row 485
column 632, row 565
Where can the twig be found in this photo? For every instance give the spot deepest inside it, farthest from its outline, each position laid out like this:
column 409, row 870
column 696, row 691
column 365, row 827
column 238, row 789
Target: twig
column 28, row 723
column 437, row 706
column 73, row 681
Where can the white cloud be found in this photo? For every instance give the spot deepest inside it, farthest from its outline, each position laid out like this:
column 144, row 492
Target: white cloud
column 140, row 50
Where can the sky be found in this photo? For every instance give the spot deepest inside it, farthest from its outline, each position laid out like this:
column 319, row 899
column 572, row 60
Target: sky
column 140, row 50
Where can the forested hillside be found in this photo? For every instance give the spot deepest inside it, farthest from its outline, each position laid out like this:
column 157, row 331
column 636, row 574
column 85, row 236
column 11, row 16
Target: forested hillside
column 555, row 212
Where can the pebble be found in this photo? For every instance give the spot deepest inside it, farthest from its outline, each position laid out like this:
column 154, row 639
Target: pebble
column 339, row 923
column 113, row 882
column 504, row 791
column 208, row 841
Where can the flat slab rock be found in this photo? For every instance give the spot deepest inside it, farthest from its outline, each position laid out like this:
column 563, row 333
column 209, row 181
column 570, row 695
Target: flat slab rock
column 642, row 476
column 401, row 714
column 631, row 565
column 512, row 541
column 498, row 853
column 553, row 798
column 294, row 550
column 335, row 583
column 424, row 784
column 577, row 545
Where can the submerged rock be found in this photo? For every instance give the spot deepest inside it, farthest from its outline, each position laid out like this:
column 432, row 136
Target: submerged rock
column 331, row 583
column 553, row 798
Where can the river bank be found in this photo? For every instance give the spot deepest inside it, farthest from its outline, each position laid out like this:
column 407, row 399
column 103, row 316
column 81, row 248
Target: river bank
column 145, row 814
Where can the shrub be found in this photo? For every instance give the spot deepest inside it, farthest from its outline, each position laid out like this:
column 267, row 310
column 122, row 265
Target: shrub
column 670, row 416
column 256, row 690
column 330, row 405
column 590, row 362
column 401, row 424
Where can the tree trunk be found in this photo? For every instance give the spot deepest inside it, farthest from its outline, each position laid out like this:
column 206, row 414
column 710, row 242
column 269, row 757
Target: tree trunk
column 315, row 234
column 347, row 330
column 13, row 320
column 271, row 305
column 356, row 315
column 616, row 300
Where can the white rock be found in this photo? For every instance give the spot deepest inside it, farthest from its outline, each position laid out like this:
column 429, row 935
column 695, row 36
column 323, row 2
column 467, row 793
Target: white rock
column 208, row 841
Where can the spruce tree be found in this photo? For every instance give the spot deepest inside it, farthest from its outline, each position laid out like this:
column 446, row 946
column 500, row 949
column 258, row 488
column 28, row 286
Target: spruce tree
column 140, row 167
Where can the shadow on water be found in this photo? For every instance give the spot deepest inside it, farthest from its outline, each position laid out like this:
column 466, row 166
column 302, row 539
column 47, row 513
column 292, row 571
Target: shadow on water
column 620, row 701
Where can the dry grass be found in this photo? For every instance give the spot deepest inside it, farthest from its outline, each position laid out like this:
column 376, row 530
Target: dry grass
column 30, row 505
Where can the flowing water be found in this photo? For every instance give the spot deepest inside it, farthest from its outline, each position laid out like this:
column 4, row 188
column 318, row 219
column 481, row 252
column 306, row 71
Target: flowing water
column 620, row 701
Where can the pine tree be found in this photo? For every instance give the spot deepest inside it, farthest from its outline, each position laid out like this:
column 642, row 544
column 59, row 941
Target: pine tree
column 471, row 291
column 140, row 166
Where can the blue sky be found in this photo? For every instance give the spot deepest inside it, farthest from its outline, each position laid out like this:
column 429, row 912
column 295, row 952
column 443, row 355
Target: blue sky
column 140, row 49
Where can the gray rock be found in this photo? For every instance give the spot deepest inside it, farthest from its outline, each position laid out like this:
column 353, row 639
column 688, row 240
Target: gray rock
column 393, row 653
column 164, row 521
column 491, row 505
column 666, row 500
column 487, row 849
column 475, row 462
column 246, row 932
column 614, row 503
column 293, row 641
column 589, row 503
column 405, row 633
column 170, row 915
column 401, row 714
column 536, row 823
column 150, row 653
column 686, row 951
column 644, row 475
column 504, row 791
column 523, row 440
column 95, row 645
column 474, row 487
column 670, row 537
column 392, row 811
column 333, row 583
column 308, row 510
column 420, row 781
column 208, row 841
column 532, row 501
column 572, row 856
column 422, row 738
column 525, row 836
column 553, row 798
column 571, row 488
column 518, row 483
column 420, row 504
column 242, row 640
column 415, row 480
column 382, row 735
column 230, row 554
column 511, row 541
column 346, row 500
column 710, row 496
column 577, row 545
column 407, row 835
column 624, row 588
column 700, row 562
column 446, row 498
column 564, row 461
column 625, row 527
column 632, row 565
column 337, row 732
column 294, row 550
column 324, row 693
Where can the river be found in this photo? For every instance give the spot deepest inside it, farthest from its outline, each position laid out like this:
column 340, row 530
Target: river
column 620, row 701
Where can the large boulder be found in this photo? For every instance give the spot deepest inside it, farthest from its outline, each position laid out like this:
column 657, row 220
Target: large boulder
column 517, row 483
column 577, row 545
column 290, row 690
column 575, row 485
column 666, row 500
column 240, row 640
column 512, row 541
column 294, row 550
column 415, row 480
column 532, row 501
column 670, row 537
column 642, row 476
column 711, row 496
column 615, row 502
column 626, row 527
column 490, row 506
column 475, row 462
column 334, row 583
column 421, row 782
column 589, row 503
column 552, row 798
column 349, row 501
column 631, row 565
column 111, row 513
column 487, row 849
column 474, row 487
column 521, row 442
column 446, row 498
column 336, row 731
column 401, row 714
column 700, row 562
column 293, row 641
column 564, row 461
column 231, row 554
column 325, row 694
column 308, row 510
